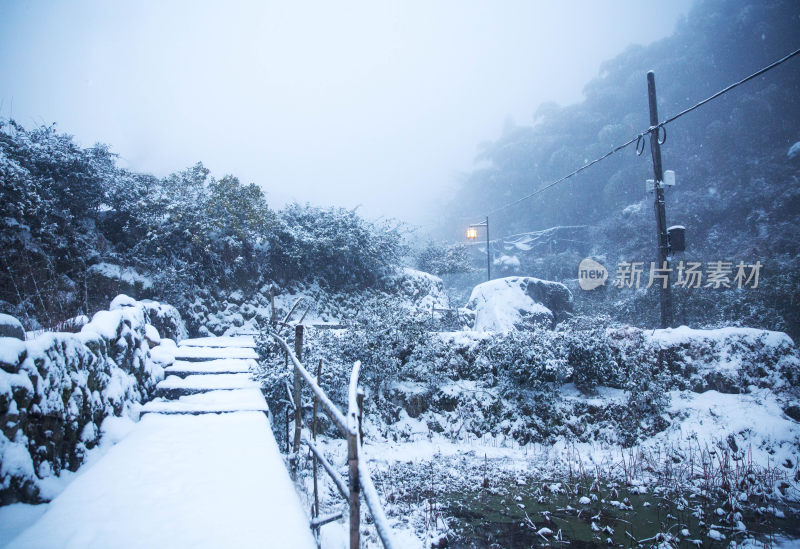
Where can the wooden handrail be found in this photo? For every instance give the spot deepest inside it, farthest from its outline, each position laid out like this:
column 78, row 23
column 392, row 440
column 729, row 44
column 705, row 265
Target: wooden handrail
column 330, row 408
column 327, row 466
column 354, row 413
column 350, row 426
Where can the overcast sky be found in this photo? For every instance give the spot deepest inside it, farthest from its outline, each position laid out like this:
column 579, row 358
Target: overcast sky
column 378, row 104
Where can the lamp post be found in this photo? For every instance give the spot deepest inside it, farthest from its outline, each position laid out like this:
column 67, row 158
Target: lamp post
column 472, row 234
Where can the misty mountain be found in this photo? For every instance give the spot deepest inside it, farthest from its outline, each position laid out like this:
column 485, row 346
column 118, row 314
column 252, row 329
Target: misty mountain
column 736, row 189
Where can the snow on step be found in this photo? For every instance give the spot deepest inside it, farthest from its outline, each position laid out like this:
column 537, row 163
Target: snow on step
column 217, row 366
column 205, row 481
column 237, row 400
column 230, row 341
column 208, row 353
column 206, row 382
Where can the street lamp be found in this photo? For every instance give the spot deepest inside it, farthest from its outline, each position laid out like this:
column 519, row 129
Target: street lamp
column 472, row 234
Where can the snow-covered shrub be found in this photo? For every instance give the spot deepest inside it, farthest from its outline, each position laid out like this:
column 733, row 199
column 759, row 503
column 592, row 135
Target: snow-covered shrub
column 383, row 337
column 444, row 259
column 420, row 289
column 591, row 360
column 107, row 280
column 56, row 390
column 335, row 246
column 530, row 360
column 729, row 360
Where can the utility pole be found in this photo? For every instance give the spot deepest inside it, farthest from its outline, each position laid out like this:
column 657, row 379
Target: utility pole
column 472, row 234
column 660, row 210
column 488, row 253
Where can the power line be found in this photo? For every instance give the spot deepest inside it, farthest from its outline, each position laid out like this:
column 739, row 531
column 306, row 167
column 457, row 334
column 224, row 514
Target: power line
column 579, row 170
column 729, row 88
column 650, row 130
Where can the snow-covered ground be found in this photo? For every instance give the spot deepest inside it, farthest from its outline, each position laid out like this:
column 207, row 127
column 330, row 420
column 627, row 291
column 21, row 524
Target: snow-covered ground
column 180, row 481
column 202, row 470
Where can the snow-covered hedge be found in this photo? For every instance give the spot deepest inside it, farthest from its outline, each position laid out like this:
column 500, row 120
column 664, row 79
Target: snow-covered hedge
column 56, row 390
column 539, row 385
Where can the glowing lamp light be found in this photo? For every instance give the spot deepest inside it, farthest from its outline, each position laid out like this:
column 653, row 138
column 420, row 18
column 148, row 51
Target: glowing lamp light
column 472, row 233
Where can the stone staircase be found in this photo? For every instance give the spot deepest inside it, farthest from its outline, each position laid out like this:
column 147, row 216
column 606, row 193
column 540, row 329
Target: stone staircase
column 210, row 376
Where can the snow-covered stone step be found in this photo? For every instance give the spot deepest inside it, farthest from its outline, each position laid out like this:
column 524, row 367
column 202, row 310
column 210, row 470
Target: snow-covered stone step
column 174, row 386
column 185, row 368
column 212, row 402
column 194, row 354
column 204, row 481
column 223, row 341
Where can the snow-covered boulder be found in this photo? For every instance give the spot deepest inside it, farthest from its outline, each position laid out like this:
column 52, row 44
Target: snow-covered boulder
column 106, row 280
column 121, row 301
column 165, row 319
column 518, row 303
column 11, row 327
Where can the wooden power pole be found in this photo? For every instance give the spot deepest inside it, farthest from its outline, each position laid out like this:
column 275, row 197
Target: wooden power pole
column 660, row 210
column 488, row 253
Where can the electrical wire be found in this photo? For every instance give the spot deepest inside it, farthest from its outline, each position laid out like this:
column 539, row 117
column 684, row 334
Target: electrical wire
column 729, row 88
column 639, row 137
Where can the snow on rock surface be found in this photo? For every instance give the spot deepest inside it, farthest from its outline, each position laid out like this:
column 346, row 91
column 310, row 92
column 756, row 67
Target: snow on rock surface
column 180, row 481
column 11, row 327
column 230, row 341
column 518, row 302
column 189, row 353
column 219, row 401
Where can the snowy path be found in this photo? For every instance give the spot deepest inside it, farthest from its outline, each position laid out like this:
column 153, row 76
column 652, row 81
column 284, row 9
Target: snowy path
column 201, row 469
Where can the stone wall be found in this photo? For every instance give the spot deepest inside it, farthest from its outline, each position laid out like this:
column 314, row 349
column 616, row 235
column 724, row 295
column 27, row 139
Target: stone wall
column 57, row 388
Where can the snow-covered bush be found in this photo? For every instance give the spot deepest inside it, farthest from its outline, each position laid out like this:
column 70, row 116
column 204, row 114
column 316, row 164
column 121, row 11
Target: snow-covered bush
column 56, row 390
column 444, row 259
column 591, row 360
column 333, row 245
column 530, row 360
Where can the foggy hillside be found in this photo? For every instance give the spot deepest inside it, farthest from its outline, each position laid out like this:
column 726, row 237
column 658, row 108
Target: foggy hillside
column 736, row 189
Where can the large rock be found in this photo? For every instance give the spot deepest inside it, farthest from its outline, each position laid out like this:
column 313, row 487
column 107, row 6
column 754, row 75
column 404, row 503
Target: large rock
column 518, row 303
column 106, row 280
column 11, row 327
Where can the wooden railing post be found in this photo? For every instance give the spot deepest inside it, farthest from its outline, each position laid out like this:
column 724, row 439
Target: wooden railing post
column 315, row 505
column 314, row 437
column 298, row 405
column 355, row 489
column 360, row 400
